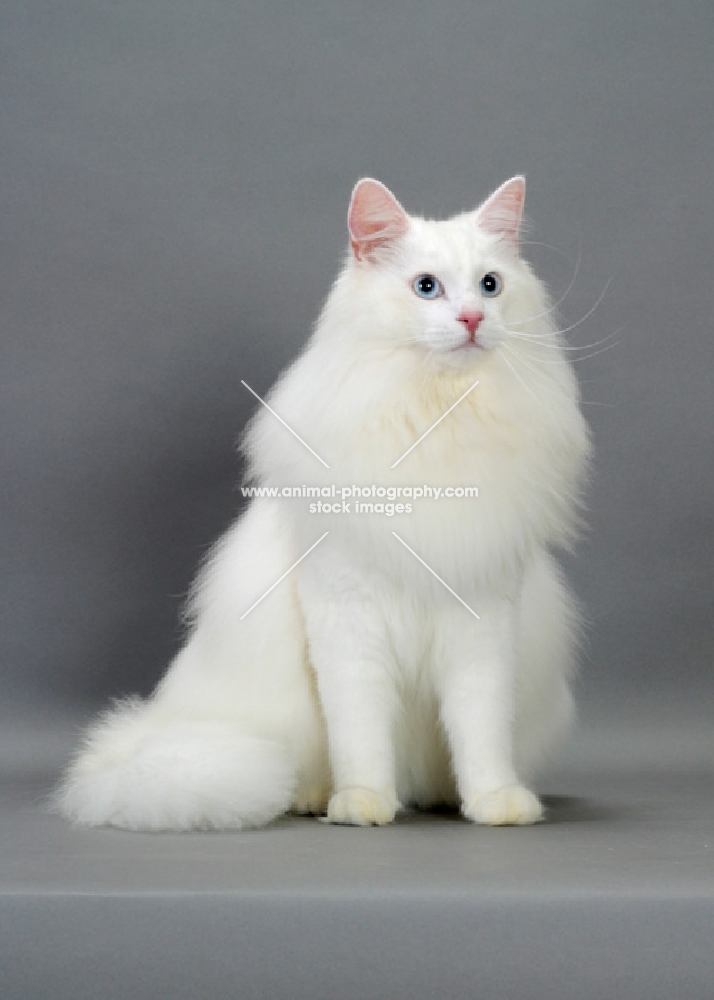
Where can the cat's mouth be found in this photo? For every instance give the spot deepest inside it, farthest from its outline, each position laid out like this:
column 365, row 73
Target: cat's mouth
column 472, row 343
column 464, row 354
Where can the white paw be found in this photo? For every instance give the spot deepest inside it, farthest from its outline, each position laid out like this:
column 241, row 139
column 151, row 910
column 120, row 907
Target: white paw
column 361, row 807
column 513, row 805
column 311, row 800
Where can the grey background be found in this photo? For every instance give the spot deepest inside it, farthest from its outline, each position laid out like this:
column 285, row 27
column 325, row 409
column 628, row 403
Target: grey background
column 175, row 179
column 175, row 186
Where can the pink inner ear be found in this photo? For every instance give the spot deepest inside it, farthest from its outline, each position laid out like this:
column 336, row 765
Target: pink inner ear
column 501, row 214
column 375, row 219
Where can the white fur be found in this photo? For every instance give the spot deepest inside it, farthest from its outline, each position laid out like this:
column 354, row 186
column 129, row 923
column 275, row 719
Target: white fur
column 360, row 649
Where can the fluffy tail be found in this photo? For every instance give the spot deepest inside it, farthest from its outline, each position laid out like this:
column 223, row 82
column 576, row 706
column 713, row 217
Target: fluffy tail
column 139, row 772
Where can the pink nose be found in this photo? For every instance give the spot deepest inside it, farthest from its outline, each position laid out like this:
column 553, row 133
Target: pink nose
column 471, row 318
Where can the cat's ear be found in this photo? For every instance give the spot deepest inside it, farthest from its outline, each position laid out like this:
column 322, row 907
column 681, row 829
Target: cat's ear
column 375, row 219
column 501, row 214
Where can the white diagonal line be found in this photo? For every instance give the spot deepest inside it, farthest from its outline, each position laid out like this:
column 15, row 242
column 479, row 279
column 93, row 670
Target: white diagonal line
column 278, row 417
column 453, row 405
column 442, row 582
column 314, row 545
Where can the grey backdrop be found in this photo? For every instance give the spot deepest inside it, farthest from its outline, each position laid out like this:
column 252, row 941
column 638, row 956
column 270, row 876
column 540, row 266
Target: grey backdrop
column 175, row 183
column 175, row 179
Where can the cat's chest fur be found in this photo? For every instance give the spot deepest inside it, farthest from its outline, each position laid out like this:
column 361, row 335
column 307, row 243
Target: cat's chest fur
column 398, row 431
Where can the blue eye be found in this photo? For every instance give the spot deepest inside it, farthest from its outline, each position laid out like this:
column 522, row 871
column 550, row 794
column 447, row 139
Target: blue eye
column 491, row 285
column 427, row 286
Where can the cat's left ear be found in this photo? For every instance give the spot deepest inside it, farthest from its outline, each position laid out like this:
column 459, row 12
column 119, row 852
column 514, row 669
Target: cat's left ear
column 501, row 214
column 375, row 219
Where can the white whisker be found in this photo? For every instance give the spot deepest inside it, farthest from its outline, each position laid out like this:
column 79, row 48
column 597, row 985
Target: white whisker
column 545, row 386
column 592, row 309
column 554, row 361
column 539, row 243
column 542, row 378
column 562, row 347
column 528, row 390
column 563, row 297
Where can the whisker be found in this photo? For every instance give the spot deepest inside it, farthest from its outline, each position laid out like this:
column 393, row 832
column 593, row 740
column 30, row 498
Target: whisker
column 539, row 243
column 528, row 390
column 563, row 297
column 564, row 347
column 426, row 360
column 594, row 354
column 560, row 347
column 592, row 309
column 543, row 378
column 584, row 402
column 406, row 340
column 559, row 332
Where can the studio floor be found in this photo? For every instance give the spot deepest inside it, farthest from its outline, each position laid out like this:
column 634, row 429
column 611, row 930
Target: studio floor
column 612, row 896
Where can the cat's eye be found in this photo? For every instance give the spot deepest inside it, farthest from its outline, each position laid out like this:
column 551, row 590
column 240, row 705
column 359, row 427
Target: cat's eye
column 428, row 286
column 491, row 284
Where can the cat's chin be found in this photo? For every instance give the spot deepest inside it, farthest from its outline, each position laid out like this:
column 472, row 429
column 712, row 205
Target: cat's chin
column 465, row 355
column 469, row 348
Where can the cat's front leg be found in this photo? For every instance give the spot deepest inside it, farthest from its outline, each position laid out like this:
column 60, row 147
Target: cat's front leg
column 475, row 671
column 350, row 653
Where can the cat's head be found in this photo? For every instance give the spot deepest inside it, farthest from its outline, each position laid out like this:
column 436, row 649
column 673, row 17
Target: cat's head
column 450, row 288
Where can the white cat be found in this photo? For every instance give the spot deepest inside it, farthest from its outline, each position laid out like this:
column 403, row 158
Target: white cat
column 364, row 681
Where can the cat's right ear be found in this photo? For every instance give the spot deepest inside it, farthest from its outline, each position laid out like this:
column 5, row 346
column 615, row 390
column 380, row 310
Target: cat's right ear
column 375, row 219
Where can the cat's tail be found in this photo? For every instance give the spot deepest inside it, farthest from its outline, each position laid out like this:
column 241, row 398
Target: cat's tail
column 139, row 772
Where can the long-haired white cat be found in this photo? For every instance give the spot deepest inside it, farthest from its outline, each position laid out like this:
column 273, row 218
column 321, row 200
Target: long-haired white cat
column 408, row 660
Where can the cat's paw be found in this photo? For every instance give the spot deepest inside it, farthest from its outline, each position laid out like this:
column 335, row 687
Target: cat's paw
column 361, row 807
column 513, row 805
column 311, row 800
